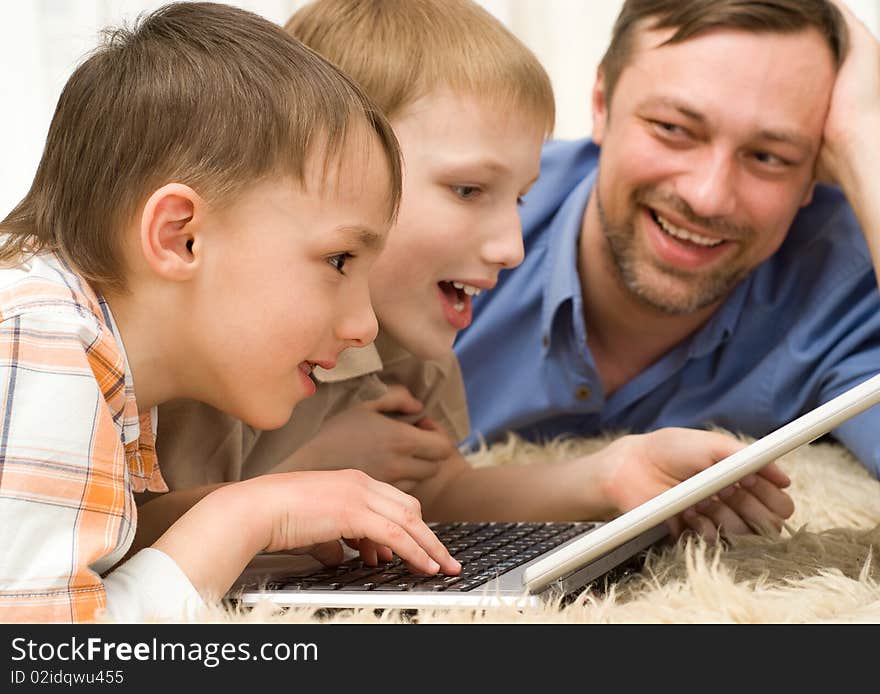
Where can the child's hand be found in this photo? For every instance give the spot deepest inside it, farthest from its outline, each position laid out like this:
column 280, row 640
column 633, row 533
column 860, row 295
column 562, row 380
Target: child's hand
column 388, row 450
column 641, row 467
column 310, row 508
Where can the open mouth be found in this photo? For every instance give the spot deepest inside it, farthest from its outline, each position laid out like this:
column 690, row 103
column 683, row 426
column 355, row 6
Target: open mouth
column 458, row 294
column 684, row 236
column 308, row 368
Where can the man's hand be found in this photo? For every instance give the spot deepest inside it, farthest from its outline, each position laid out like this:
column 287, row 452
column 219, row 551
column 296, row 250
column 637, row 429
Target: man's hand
column 854, row 112
column 641, row 467
column 365, row 438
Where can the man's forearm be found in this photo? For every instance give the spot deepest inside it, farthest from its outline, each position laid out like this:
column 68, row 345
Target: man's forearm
column 558, row 491
column 857, row 177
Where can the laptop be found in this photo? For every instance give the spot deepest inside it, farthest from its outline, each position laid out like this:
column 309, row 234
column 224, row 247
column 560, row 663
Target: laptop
column 528, row 564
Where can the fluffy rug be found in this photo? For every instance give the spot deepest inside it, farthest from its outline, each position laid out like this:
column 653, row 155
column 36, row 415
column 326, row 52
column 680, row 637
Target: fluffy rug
column 824, row 568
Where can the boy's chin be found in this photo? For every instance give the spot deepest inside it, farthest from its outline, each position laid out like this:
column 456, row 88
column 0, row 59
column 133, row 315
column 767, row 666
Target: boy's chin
column 269, row 418
column 426, row 344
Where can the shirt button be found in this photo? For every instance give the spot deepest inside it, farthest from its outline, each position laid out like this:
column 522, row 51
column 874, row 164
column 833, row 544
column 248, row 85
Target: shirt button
column 583, row 393
column 546, row 340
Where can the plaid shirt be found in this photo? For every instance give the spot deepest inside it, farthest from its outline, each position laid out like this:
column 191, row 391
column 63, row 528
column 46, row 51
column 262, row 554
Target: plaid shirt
column 72, row 445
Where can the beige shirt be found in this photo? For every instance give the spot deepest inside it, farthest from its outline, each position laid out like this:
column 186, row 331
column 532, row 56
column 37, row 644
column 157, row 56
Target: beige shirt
column 198, row 444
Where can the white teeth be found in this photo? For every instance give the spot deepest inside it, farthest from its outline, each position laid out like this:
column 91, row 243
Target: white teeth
column 468, row 289
column 458, row 306
column 686, row 235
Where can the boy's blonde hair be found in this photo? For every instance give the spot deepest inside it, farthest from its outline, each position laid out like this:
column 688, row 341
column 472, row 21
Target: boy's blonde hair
column 203, row 94
column 401, row 50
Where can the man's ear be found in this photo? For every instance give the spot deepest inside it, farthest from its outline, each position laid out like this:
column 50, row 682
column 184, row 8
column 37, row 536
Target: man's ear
column 808, row 196
column 600, row 107
column 170, row 231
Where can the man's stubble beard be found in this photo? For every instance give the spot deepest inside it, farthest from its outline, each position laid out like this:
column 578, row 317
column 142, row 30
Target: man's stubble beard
column 621, row 258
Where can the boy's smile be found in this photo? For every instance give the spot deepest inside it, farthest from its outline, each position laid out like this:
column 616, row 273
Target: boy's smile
column 467, row 161
column 456, row 300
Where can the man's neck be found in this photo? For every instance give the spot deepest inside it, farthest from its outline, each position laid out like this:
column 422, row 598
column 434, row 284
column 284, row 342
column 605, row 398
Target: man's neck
column 624, row 334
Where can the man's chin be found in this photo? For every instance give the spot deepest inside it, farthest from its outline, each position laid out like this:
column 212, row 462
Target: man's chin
column 674, row 298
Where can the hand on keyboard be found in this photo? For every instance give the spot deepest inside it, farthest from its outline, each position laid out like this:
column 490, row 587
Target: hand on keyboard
column 311, row 508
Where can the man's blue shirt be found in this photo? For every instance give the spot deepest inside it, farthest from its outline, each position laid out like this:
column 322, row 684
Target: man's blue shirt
column 800, row 329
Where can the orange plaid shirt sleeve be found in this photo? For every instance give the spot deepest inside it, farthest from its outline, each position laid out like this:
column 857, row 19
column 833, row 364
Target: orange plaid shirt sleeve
column 73, row 447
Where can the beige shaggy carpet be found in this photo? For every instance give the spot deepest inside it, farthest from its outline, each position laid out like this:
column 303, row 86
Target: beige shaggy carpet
column 824, row 568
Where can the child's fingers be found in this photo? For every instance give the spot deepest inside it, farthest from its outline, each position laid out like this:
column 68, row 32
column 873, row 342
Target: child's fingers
column 430, row 445
column 396, row 399
column 328, row 553
column 404, row 511
column 410, row 468
column 411, row 540
column 368, row 551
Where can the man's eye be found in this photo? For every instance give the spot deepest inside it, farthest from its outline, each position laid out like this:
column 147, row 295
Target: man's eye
column 466, row 192
column 338, row 261
column 669, row 129
column 770, row 159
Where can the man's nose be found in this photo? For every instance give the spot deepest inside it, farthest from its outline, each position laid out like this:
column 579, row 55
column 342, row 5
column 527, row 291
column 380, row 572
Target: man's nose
column 709, row 188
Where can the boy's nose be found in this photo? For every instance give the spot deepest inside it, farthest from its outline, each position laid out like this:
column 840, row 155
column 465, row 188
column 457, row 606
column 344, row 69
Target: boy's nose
column 357, row 325
column 503, row 244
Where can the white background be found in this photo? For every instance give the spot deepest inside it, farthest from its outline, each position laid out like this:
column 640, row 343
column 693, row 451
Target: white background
column 41, row 41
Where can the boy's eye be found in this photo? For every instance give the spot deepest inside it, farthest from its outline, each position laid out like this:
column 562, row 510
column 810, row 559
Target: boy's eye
column 466, row 192
column 338, row 261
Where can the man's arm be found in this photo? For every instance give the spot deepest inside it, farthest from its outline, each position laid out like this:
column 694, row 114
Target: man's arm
column 600, row 486
column 851, row 146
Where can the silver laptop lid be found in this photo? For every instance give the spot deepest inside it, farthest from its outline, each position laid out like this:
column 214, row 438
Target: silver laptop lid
column 702, row 485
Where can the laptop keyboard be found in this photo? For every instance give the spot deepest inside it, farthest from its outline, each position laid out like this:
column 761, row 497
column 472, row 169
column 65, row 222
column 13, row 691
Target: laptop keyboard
column 485, row 551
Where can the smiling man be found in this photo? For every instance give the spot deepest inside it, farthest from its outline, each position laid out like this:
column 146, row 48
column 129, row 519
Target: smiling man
column 683, row 267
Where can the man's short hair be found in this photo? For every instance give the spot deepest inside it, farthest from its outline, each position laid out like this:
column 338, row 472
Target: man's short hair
column 203, row 94
column 401, row 50
column 690, row 18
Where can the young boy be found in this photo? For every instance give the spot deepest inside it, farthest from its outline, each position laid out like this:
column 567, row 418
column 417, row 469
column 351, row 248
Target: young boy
column 201, row 223
column 471, row 107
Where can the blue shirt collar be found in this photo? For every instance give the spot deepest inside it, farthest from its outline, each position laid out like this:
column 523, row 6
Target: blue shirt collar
column 563, row 283
column 723, row 323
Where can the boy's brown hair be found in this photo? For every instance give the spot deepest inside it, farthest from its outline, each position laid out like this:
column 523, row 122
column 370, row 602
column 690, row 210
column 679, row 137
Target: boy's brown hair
column 203, row 94
column 695, row 17
column 401, row 50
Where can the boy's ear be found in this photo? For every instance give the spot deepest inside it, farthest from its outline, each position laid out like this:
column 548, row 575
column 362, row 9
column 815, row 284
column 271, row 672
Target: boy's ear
column 600, row 107
column 170, row 231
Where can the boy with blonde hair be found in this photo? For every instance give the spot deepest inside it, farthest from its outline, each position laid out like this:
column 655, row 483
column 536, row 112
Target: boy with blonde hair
column 167, row 241
column 471, row 107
